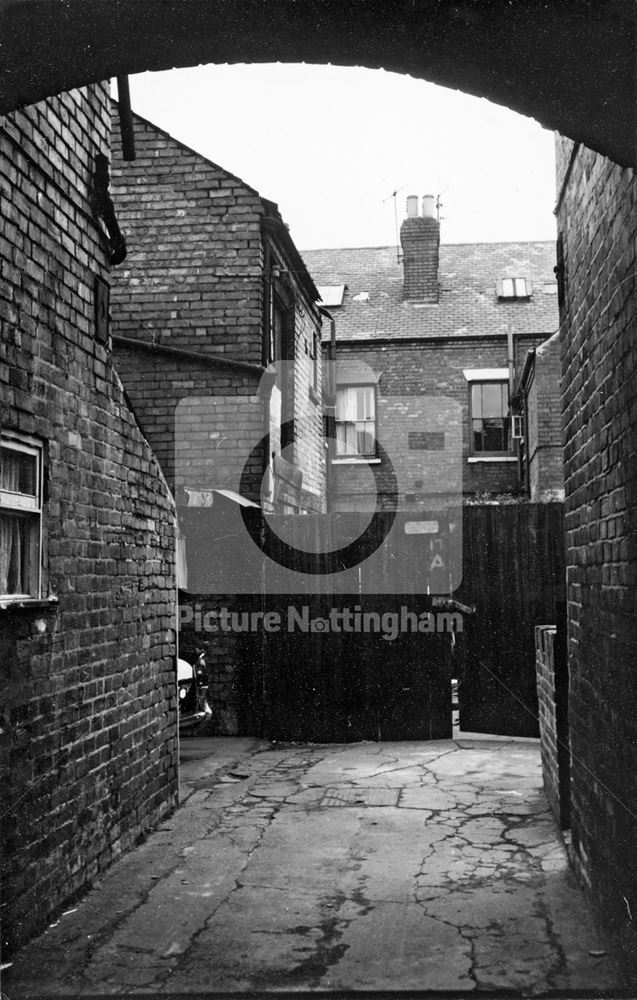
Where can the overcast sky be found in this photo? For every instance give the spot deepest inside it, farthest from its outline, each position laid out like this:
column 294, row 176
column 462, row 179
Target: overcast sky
column 331, row 144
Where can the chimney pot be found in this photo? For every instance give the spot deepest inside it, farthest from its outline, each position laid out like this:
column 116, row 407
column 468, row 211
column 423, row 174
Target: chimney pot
column 412, row 206
column 428, row 209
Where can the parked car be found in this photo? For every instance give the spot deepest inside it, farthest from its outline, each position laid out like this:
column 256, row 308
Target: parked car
column 192, row 681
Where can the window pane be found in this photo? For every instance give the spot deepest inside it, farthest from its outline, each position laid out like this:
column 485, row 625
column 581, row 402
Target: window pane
column 346, row 404
column 364, row 402
column 345, row 438
column 492, row 402
column 17, row 538
column 493, row 435
column 355, row 423
column 507, row 286
column 520, row 286
column 18, row 472
column 370, row 403
column 476, row 399
column 366, row 444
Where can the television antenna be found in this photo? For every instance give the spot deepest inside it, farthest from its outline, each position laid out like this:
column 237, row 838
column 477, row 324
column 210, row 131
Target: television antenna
column 394, row 195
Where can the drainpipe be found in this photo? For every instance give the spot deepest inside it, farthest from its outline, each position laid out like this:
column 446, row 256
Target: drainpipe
column 511, row 361
column 511, row 364
column 125, row 118
column 268, row 380
column 330, row 406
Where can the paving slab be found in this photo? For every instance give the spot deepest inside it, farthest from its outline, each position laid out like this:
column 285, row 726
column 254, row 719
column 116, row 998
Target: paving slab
column 403, row 866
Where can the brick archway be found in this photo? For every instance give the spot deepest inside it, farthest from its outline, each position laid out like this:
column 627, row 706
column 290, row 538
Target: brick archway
column 568, row 63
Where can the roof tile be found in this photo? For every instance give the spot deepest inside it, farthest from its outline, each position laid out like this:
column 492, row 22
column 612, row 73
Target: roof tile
column 468, row 305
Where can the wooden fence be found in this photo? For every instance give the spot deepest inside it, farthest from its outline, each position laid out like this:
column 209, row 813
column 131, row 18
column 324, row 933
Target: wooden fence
column 348, row 664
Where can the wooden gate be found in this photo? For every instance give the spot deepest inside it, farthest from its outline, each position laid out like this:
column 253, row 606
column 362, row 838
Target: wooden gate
column 344, row 686
column 349, row 664
column 343, row 664
column 514, row 574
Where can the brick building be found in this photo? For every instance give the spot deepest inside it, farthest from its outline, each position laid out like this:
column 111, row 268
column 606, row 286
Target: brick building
column 589, row 695
column 537, row 403
column 216, row 334
column 423, row 353
column 212, row 292
column 87, row 593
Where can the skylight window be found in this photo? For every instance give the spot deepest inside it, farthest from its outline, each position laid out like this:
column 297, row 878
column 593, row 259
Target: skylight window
column 331, row 295
column 514, row 288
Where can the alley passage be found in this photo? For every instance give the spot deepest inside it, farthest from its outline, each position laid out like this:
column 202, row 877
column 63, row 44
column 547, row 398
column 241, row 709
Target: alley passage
column 362, row 866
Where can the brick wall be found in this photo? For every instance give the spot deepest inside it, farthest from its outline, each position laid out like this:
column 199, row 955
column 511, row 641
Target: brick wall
column 195, row 280
column 192, row 277
column 415, row 370
column 543, row 424
column 552, row 696
column 88, row 755
column 206, row 254
column 309, row 450
column 420, row 240
column 597, row 218
column 200, row 420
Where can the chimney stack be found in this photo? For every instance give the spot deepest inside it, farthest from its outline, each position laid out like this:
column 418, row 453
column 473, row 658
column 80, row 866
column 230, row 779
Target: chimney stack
column 420, row 239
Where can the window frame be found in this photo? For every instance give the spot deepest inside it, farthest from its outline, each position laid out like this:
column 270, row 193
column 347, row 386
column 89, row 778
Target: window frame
column 357, row 455
column 473, row 451
column 515, row 295
column 28, row 507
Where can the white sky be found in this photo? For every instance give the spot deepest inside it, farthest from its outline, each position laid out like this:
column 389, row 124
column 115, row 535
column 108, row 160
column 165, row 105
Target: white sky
column 330, row 144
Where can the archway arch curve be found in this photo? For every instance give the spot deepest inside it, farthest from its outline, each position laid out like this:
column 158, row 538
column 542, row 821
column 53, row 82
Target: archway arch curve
column 568, row 63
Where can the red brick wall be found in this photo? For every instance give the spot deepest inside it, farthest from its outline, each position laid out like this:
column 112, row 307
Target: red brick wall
column 597, row 216
column 88, row 756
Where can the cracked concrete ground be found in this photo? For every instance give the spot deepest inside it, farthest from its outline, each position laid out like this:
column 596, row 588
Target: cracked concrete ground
column 407, row 866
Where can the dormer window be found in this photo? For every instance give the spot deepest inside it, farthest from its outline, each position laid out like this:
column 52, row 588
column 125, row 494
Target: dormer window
column 331, row 295
column 514, row 288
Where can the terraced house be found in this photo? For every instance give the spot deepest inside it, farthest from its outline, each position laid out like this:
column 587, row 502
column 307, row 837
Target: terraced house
column 431, row 342
column 212, row 292
column 216, row 335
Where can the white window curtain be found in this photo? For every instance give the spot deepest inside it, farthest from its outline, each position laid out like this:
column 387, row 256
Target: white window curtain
column 19, row 519
column 355, row 420
column 13, row 554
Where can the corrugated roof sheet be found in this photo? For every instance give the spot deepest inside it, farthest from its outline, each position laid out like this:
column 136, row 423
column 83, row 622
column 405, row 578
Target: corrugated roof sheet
column 468, row 303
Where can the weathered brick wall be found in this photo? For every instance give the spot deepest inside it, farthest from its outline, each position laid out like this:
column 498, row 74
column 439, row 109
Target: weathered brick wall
column 552, row 705
column 309, row 451
column 201, row 421
column 435, row 369
column 597, row 218
column 544, row 424
column 194, row 279
column 88, row 755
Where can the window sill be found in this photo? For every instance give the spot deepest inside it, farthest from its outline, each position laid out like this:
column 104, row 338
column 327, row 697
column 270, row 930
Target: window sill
column 9, row 603
column 492, row 458
column 356, row 461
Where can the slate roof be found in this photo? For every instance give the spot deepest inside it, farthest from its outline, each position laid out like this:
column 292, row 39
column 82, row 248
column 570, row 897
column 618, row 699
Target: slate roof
column 468, row 305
